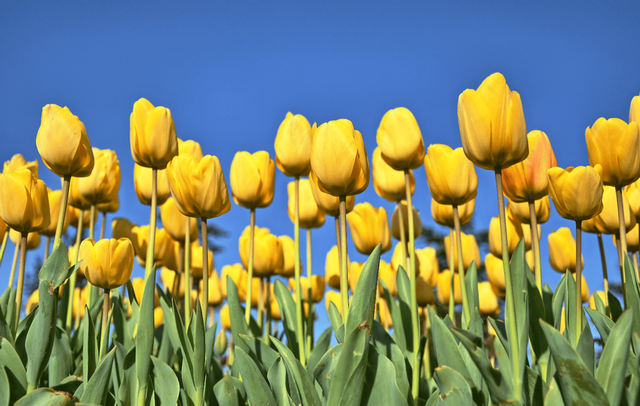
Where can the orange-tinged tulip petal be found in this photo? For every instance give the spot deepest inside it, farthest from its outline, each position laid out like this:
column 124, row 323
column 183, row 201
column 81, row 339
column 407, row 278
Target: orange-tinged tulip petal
column 103, row 183
column 388, row 182
column 107, row 263
column 252, row 179
column 443, row 213
column 142, row 181
column 576, row 192
column 451, row 176
column 329, row 204
column 153, row 135
column 293, row 145
column 310, row 215
column 369, row 227
column 24, row 201
column 400, row 139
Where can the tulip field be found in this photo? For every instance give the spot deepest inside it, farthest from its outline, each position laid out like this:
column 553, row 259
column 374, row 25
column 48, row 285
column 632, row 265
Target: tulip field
column 399, row 333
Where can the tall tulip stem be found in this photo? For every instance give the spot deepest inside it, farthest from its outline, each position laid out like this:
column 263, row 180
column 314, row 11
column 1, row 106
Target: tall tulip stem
column 635, row 263
column 152, row 224
column 623, row 236
column 309, row 291
column 4, row 243
column 92, row 294
column 338, row 240
column 66, row 181
column 415, row 384
column 92, row 219
column 47, row 242
column 605, row 275
column 105, row 330
column 578, row 280
column 74, row 276
column 463, row 287
column 452, row 300
column 187, row 274
column 344, row 264
column 535, row 242
column 299, row 304
column 510, row 302
column 103, row 224
column 23, row 261
column 252, row 228
column 403, row 238
column 16, row 252
column 205, row 270
column 623, row 277
column 267, row 330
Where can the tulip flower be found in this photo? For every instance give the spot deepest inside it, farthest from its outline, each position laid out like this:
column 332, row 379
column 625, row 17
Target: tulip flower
column 451, row 176
column 398, row 260
column 293, row 145
column 514, row 235
column 424, row 292
column 527, row 236
column 176, row 223
column 385, row 314
column 243, row 290
column 633, row 196
column 327, row 203
column 153, row 135
column 138, row 288
column 107, row 263
column 443, row 213
column 387, row 275
column 311, row 216
column 252, row 179
column 55, row 197
column 607, row 221
column 335, row 298
column 18, row 162
column 225, row 320
column 317, row 287
column 33, row 239
column 592, row 300
column 369, row 227
column 444, row 287
column 428, row 268
column 79, row 302
column 24, row 201
column 488, row 300
column 470, row 250
column 197, row 261
column 111, row 206
column 215, row 292
column 234, row 271
column 190, row 147
column 355, row 269
column 400, row 140
column 268, row 253
column 142, row 181
column 288, row 253
column 495, row 274
column 521, row 213
column 32, row 302
column 332, row 268
column 103, row 183
column 397, row 226
column 633, row 243
column 388, row 182
column 562, row 250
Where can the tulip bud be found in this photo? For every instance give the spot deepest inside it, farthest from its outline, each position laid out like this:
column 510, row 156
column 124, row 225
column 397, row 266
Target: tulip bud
column 387, row 182
column 335, row 298
column 142, row 181
column 153, row 135
column 293, row 145
column 526, row 234
column 176, row 223
column 317, row 288
column 289, row 257
column 339, row 159
column 103, row 183
column 444, row 288
column 396, row 260
column 607, row 221
column 63, row 143
column 221, row 343
column 562, row 250
column 521, row 213
column 33, row 239
column 395, row 222
column 310, row 215
column 267, row 252
column 189, row 179
column 615, row 145
column 400, row 139
column 24, row 201
column 329, row 204
column 167, row 277
column 55, row 197
column 122, row 228
column 190, row 147
column 492, row 125
column 18, row 162
column 585, row 288
column 332, row 268
column 428, row 265
column 215, row 293
column 369, row 227
column 387, row 275
column 75, row 198
column 424, row 292
column 495, row 273
column 107, row 264
column 526, row 181
column 443, row 213
column 74, row 217
column 197, row 261
column 451, row 176
column 235, row 272
column 138, row 288
column 274, row 307
column 225, row 320
column 488, row 300
column 514, row 235
column 470, row 250
column 355, row 269
column 80, row 301
column 32, row 302
column 158, row 316
column 252, row 179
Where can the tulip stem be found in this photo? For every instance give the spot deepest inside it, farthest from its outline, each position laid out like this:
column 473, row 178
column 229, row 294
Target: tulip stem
column 415, row 386
column 260, row 305
column 74, row 276
column 452, row 302
column 299, row 304
column 247, row 306
column 578, row 280
column 152, row 225
column 635, row 264
column 4, row 243
column 338, row 241
column 47, row 242
column 309, row 293
column 403, row 237
column 536, row 245
column 103, row 225
column 105, row 330
column 13, row 265
column 344, row 276
column 23, row 261
column 64, row 198
column 509, row 302
column 463, row 285
column 605, row 275
column 623, row 238
column 267, row 330
column 93, row 290
column 187, row 274
column 205, row 270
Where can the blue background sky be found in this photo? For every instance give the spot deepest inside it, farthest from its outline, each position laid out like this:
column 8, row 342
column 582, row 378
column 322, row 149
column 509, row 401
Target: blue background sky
column 230, row 72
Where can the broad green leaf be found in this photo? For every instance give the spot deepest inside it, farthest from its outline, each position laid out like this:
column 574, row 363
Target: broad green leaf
column 348, row 380
column 56, row 268
column 277, row 377
column 320, row 348
column 454, row 389
column 230, row 391
column 535, row 387
column 96, row 389
column 547, row 299
column 378, row 389
column 5, row 388
column 199, row 353
column 553, row 396
column 121, row 333
column 303, row 381
column 5, row 330
column 16, row 373
column 258, row 390
column 89, row 348
column 363, row 302
column 144, row 336
column 557, row 302
column 39, row 340
column 585, row 347
column 324, row 371
column 614, row 307
column 396, row 316
column 632, row 292
column 335, row 318
column 165, row 383
column 501, row 332
column 288, row 310
column 61, row 361
column 434, row 398
column 128, row 390
column 46, row 396
column 613, row 360
column 603, row 323
column 387, row 347
column 264, row 355
column 536, row 311
column 404, row 304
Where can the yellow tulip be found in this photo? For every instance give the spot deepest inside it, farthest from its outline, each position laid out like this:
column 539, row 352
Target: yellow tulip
column 429, row 268
column 75, row 197
column 190, row 147
column 153, row 135
column 585, row 288
column 176, row 223
column 332, row 268
column 592, row 300
column 80, row 301
column 528, row 256
column 488, row 300
column 634, row 109
column 139, row 237
column 495, row 274
column 451, row 176
column 107, row 263
column 167, row 277
column 138, row 288
column 387, row 275
column 252, row 179
column 310, row 215
column 615, row 145
column 400, row 139
column 387, row 182
column 234, row 272
column 526, row 234
column 385, row 315
column 33, row 239
column 256, row 285
column 355, row 269
column 396, row 259
column 197, row 261
column 198, row 186
column 395, row 222
column 215, row 293
column 607, row 220
column 122, row 228
column 317, row 288
column 470, row 250
column 444, row 288
column 158, row 316
column 633, row 196
column 18, row 162
column 274, row 307
column 633, row 240
column 142, row 181
column 514, row 235
column 289, row 255
column 3, row 229
column 424, row 292
column 24, row 201
column 329, row 204
column 492, row 125
column 32, row 302
column 63, row 143
column 74, row 217
column 369, row 227
column 526, row 181
column 111, row 206
column 267, row 252
column 335, row 298
column 166, row 250
column 55, row 196
column 562, row 250
column 293, row 145
column 225, row 320
column 443, row 213
column 103, row 183
column 339, row 160
column 520, row 211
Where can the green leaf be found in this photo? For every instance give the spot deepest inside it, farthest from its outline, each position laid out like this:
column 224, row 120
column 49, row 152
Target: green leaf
column 46, row 396
column 536, row 311
column 324, row 371
column 144, row 336
column 585, row 347
column 363, row 302
column 258, row 391
column 16, row 373
column 614, row 307
column 387, row 347
column 39, row 340
column 613, row 360
column 335, row 318
column 348, row 380
column 199, row 360
column 89, row 348
column 230, row 391
column 56, row 268
column 5, row 330
column 61, row 362
column 95, row 391
column 396, row 317
column 260, row 352
column 454, row 389
column 165, row 383
column 378, row 389
column 5, row 388
column 121, row 333
column 277, row 377
column 558, row 301
column 69, row 384
column 303, row 381
column 128, row 390
column 576, row 384
column 404, row 304
column 602, row 322
column 320, row 348
column 288, row 310
column 632, row 292
column 535, row 387
column 553, row 397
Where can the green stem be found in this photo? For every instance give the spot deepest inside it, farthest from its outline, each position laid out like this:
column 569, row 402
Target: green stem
column 415, row 386
column 13, row 265
column 309, row 293
column 4, row 243
column 103, row 225
column 299, row 304
column 578, row 280
column 205, row 270
column 23, row 261
column 403, row 237
column 452, row 300
column 510, row 300
column 267, row 330
column 92, row 294
column 463, row 285
column 623, row 238
column 635, row 264
column 105, row 330
column 73, row 278
column 605, row 276
column 338, row 241
column 344, row 264
column 252, row 236
column 187, row 275
column 47, row 242
column 622, row 273
column 260, row 305
column 63, row 209
column 152, row 224
column 535, row 242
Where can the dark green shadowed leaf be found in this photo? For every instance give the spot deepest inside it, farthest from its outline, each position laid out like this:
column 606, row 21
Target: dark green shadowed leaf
column 632, row 292
column 144, row 336
column 303, row 380
column 46, row 396
column 165, row 383
column 379, row 390
column 404, row 304
column 320, row 348
column 336, row 322
column 89, row 347
column 61, row 362
column 16, row 373
column 40, row 335
column 603, row 323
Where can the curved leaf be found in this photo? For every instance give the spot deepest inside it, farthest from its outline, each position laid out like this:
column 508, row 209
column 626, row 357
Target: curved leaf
column 613, row 360
column 258, row 391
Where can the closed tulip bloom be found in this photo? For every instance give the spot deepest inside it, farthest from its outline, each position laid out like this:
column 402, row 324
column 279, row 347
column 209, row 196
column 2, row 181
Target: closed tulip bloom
column 317, row 288
column 634, row 109
column 169, row 255
column 387, row 275
column 388, row 182
column 526, row 181
column 335, row 298
column 275, row 308
column 444, row 288
column 190, row 147
column 327, row 203
column 576, row 192
column 164, row 249
column 355, row 269
column 633, row 245
column 24, row 201
column 429, row 267
column 198, row 186
column 332, row 268
column 495, row 274
column 18, row 162
column 632, row 192
column 75, row 197
column 526, row 234
column 252, row 179
column 158, row 316
column 310, row 215
column 225, row 319
column 33, row 239
column 107, row 263
column 589, row 226
column 615, row 145
column 55, row 196
column 139, row 238
column 585, row 289
column 167, row 277
column 63, row 142
column 122, row 228
column 153, row 135
column 400, row 139
column 255, row 289
column 339, row 159
column 111, row 206
column 267, row 252
column 607, row 220
column 103, row 183
column 138, row 288
column 80, row 301
column 176, row 223
column 492, row 125
column 293, row 145
column 521, row 213
column 369, row 227
column 592, row 300
column 514, row 235
column 32, row 302
column 142, row 181
column 396, row 260
column 488, row 300
column 197, row 261
column 395, row 222
column 470, row 250
column 443, row 213
column 385, row 314
column 451, row 176
column 562, row 250
column 289, row 257
column 424, row 292
column 234, row 271
column 215, row 293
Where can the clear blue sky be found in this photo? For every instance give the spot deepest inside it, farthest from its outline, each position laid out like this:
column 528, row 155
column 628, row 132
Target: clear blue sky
column 230, row 72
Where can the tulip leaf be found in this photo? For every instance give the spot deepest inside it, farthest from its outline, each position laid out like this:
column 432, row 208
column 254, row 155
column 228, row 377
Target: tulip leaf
column 348, row 379
column 277, row 377
column 553, row 396
column 303, row 381
column 121, row 333
column 471, row 283
column 56, row 268
column 263, row 355
column 501, row 332
column 5, row 330
column 236, row 315
column 454, row 389
column 21, row 335
column 576, row 384
column 165, row 383
column 258, row 390
column 547, row 299
column 535, row 387
column 15, row 372
column 49, row 397
column 39, row 340
column 199, row 358
column 320, row 348
column 632, row 292
column 61, row 361
column 585, row 347
column 536, row 311
column 288, row 310
column 558, row 302
column 11, row 312
column 615, row 308
column 89, row 348
column 600, row 306
column 144, row 336
column 4, row 300
column 404, row 307
column 387, row 347
column 230, row 391
column 396, row 317
column 363, row 302
column 96, row 388
column 336, row 322
column 613, row 360
column 5, row 388
column 378, row 390
column 603, row 323
column 324, row 371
